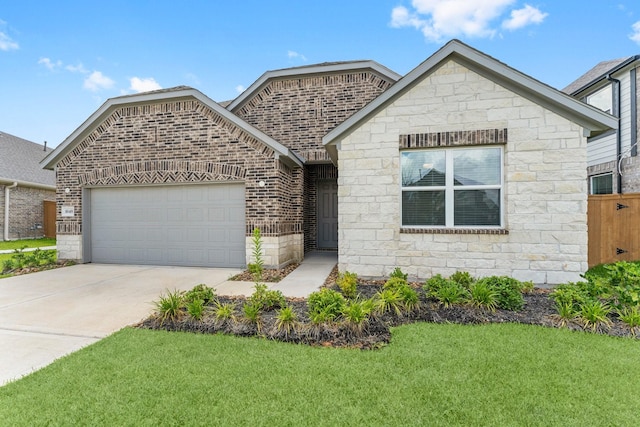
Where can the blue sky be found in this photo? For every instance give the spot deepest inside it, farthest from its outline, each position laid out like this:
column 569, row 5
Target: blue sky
column 59, row 61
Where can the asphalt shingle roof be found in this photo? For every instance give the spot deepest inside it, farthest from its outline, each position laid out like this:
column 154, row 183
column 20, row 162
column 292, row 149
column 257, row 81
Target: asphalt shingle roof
column 20, row 161
column 594, row 74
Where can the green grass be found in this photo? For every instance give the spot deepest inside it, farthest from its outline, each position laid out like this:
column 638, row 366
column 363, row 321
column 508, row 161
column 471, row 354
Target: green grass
column 500, row 374
column 29, row 243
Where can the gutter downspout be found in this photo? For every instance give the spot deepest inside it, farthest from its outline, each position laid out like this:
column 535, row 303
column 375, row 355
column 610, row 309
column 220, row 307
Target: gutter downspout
column 6, row 209
column 617, row 113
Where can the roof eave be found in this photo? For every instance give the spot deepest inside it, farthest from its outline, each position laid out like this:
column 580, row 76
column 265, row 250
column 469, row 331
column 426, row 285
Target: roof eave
column 27, row 184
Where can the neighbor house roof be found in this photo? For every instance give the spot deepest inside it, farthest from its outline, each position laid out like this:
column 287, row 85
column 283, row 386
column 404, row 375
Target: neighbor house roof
column 171, row 94
column 593, row 120
column 20, row 162
column 598, row 73
column 307, row 70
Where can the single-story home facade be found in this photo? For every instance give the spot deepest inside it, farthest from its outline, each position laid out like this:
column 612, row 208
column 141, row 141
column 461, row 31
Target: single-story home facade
column 27, row 192
column 462, row 164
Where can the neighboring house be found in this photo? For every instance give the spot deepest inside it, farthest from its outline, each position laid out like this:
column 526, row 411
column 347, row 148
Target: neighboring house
column 24, row 187
column 462, row 164
column 612, row 161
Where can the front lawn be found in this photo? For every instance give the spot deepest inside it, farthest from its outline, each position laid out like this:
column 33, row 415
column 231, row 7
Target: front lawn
column 430, row 374
column 29, row 243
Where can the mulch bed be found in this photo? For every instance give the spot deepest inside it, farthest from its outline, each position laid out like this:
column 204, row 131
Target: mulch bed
column 538, row 310
column 27, row 270
column 268, row 275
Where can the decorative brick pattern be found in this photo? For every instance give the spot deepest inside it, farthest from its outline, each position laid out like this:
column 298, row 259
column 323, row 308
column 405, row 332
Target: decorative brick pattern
column 299, row 111
column 454, row 139
column 409, row 230
column 179, row 142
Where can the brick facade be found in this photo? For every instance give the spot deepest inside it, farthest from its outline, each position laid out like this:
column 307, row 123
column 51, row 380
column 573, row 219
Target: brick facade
column 26, row 212
column 298, row 111
column 180, row 142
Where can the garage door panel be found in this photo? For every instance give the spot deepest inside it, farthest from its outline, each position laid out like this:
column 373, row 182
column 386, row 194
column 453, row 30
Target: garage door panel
column 169, row 225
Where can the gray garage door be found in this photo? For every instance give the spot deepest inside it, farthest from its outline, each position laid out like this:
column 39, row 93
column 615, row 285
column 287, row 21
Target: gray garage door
column 188, row 225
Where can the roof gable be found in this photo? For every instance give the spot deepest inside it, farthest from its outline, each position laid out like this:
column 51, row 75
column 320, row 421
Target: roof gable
column 172, row 94
column 20, row 162
column 590, row 118
column 307, row 70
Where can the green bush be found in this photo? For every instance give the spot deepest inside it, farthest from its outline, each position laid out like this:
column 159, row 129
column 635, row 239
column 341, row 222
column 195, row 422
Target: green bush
column 195, row 308
column 325, row 305
column 348, row 283
column 200, row 292
column 463, row 278
column 446, row 291
column 32, row 259
column 286, row 320
column 395, row 283
column 398, row 274
column 266, row 299
column 482, row 295
column 388, row 301
column 356, row 314
column 169, row 306
column 508, row 291
column 409, row 297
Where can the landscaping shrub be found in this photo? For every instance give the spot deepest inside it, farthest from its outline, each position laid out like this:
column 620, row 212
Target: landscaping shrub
column 169, row 306
column 32, row 259
column 348, row 283
column 446, row 291
column 508, row 292
column 395, row 283
column 398, row 274
column 267, row 299
column 356, row 314
column 200, row 292
column 463, row 278
column 195, row 308
column 388, row 301
column 325, row 305
column 482, row 295
column 286, row 321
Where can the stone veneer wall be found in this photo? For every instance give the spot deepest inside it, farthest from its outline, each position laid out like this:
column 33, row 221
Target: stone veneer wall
column 178, row 142
column 545, row 189
column 26, row 209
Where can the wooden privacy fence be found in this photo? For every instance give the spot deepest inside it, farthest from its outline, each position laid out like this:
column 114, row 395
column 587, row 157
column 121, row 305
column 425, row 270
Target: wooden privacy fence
column 614, row 228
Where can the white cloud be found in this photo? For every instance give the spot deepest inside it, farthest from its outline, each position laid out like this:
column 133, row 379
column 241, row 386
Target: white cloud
column 441, row 19
column 292, row 55
column 240, row 88
column 97, row 81
column 6, row 43
column 144, row 84
column 523, row 17
column 77, row 68
column 635, row 36
column 48, row 63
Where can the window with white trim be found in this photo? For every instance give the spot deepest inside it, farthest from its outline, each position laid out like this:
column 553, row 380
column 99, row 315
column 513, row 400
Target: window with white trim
column 602, row 184
column 452, row 187
column 602, row 99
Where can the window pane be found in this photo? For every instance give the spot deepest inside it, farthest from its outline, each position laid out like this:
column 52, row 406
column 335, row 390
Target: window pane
column 423, row 168
column 602, row 184
column 476, row 207
column 477, row 166
column 423, row 208
column 602, row 99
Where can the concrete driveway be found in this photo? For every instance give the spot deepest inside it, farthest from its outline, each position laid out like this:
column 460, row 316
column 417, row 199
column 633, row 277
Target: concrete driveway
column 46, row 315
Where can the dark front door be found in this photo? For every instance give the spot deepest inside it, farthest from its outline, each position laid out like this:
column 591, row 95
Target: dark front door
column 327, row 214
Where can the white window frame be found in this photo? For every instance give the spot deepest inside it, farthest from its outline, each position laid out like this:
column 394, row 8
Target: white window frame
column 609, row 174
column 449, row 189
column 597, row 95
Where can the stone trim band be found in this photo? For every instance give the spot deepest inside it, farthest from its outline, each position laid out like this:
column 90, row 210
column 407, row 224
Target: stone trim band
column 495, row 231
